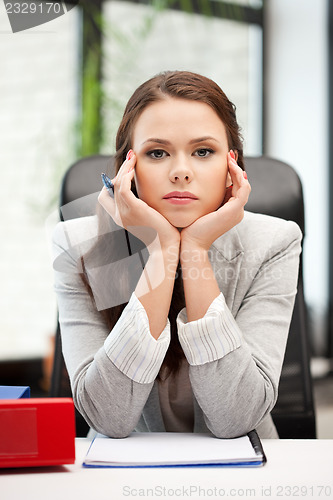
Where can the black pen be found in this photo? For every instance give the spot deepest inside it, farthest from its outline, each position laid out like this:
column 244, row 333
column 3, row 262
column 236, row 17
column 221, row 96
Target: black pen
column 108, row 184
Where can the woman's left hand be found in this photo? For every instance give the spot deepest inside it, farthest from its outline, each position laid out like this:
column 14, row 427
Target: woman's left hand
column 205, row 230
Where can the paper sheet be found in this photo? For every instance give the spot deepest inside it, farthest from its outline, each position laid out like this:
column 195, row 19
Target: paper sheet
column 169, row 448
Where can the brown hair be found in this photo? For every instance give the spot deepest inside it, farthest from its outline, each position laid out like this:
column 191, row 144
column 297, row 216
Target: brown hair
column 180, row 85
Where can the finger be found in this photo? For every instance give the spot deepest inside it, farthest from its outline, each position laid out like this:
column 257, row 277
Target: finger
column 119, row 174
column 243, row 192
column 236, row 173
column 128, row 164
column 241, row 187
column 127, row 173
column 125, row 187
column 239, row 177
column 130, row 157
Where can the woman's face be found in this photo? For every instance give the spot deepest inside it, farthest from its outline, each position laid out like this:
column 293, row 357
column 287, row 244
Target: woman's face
column 181, row 148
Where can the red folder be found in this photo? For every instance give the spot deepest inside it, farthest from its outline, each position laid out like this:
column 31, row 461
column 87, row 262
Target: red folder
column 37, row 431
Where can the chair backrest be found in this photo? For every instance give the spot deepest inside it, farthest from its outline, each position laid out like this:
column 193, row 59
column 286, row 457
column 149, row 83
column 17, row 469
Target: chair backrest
column 83, row 180
column 277, row 191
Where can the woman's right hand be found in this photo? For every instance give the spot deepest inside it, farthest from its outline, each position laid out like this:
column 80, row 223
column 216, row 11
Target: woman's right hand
column 135, row 215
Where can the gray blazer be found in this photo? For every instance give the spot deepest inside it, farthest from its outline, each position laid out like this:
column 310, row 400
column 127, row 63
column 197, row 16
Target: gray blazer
column 256, row 266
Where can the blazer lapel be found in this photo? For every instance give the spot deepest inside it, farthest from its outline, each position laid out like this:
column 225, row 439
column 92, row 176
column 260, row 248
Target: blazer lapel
column 226, row 256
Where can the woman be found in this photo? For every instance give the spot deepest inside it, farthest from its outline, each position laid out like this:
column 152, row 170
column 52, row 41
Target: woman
column 198, row 343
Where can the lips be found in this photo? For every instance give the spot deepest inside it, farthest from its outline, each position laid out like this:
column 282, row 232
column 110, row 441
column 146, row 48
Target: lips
column 180, row 195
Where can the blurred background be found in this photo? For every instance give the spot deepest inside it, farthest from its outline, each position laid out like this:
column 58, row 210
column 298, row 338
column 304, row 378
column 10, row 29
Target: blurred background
column 63, row 88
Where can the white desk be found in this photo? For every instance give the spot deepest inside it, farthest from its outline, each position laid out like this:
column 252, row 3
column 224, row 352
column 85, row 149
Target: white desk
column 294, row 469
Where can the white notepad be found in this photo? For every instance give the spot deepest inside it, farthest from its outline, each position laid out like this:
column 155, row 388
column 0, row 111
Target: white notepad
column 174, row 449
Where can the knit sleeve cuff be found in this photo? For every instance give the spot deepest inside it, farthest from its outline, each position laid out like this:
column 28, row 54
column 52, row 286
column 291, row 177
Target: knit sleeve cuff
column 131, row 347
column 210, row 338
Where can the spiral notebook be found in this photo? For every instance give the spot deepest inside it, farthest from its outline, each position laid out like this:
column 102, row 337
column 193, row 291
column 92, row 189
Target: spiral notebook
column 175, row 449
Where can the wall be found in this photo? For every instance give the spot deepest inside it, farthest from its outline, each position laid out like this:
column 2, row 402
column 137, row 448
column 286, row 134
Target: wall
column 297, row 129
column 229, row 52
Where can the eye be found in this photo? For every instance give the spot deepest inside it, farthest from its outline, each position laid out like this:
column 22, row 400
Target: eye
column 156, row 154
column 204, row 152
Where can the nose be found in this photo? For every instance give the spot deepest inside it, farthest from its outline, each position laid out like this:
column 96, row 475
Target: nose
column 181, row 172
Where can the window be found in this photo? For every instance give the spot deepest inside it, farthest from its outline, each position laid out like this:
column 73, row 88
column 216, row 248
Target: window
column 228, row 51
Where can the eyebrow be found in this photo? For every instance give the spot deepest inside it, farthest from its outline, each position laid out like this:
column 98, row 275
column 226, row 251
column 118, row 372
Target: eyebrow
column 203, row 139
column 193, row 141
column 154, row 139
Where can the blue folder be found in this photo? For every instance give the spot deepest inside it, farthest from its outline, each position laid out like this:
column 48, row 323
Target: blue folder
column 14, row 392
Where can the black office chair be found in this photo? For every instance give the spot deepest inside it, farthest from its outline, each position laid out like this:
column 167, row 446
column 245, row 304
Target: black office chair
column 277, row 191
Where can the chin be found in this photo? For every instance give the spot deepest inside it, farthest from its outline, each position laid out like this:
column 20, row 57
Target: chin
column 180, row 222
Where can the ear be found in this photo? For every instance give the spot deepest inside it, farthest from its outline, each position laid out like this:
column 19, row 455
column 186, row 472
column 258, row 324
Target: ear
column 229, row 181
